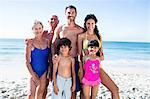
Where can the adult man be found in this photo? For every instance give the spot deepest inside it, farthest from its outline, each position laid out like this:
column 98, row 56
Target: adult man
column 70, row 30
column 53, row 22
column 48, row 34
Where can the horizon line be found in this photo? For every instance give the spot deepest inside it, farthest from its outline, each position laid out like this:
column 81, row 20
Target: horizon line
column 103, row 40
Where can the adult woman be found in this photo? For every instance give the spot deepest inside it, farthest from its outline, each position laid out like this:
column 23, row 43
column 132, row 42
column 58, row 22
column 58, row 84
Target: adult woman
column 47, row 34
column 37, row 61
column 91, row 33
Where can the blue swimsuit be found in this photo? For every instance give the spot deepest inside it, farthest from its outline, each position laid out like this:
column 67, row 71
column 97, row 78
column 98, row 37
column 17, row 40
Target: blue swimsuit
column 39, row 60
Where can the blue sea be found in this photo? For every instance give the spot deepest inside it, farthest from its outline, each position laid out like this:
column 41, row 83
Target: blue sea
column 127, row 50
column 121, row 54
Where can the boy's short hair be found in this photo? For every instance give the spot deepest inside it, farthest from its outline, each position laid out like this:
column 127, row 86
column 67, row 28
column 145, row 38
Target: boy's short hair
column 63, row 42
column 93, row 43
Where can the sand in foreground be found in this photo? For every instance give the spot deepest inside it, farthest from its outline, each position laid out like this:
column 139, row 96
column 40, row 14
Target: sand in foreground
column 133, row 85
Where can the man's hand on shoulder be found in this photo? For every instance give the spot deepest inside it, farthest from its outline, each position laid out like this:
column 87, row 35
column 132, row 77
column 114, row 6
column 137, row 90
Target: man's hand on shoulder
column 29, row 41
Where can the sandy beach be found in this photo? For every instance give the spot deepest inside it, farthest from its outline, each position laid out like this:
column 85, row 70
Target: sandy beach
column 127, row 66
column 123, row 26
column 132, row 85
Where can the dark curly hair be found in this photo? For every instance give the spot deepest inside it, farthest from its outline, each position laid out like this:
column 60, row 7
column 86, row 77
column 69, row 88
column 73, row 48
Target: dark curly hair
column 96, row 31
column 63, row 42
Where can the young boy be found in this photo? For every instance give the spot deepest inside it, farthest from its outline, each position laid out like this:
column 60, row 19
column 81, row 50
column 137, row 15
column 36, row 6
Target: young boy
column 64, row 70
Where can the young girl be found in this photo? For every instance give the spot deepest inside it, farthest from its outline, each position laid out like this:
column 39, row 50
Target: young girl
column 91, row 78
column 37, row 57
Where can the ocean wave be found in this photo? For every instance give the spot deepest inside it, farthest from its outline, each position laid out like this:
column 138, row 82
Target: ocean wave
column 127, row 63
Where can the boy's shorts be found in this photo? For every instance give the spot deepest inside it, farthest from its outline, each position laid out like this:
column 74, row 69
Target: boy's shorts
column 64, row 86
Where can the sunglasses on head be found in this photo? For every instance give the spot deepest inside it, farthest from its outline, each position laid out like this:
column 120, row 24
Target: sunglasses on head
column 53, row 19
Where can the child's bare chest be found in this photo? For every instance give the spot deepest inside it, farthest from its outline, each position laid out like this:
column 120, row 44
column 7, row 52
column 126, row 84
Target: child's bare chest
column 64, row 62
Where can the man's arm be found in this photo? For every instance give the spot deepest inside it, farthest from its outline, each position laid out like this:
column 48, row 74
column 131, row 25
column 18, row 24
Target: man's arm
column 80, row 46
column 55, row 39
column 73, row 75
column 49, row 74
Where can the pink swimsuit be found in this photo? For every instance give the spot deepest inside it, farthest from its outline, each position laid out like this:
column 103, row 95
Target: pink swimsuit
column 92, row 72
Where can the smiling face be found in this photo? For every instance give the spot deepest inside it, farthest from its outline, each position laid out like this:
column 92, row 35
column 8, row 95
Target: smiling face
column 53, row 21
column 70, row 14
column 38, row 29
column 64, row 50
column 93, row 50
column 90, row 24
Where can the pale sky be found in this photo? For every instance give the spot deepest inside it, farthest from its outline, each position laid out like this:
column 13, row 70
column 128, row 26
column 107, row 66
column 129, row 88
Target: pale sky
column 118, row 20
